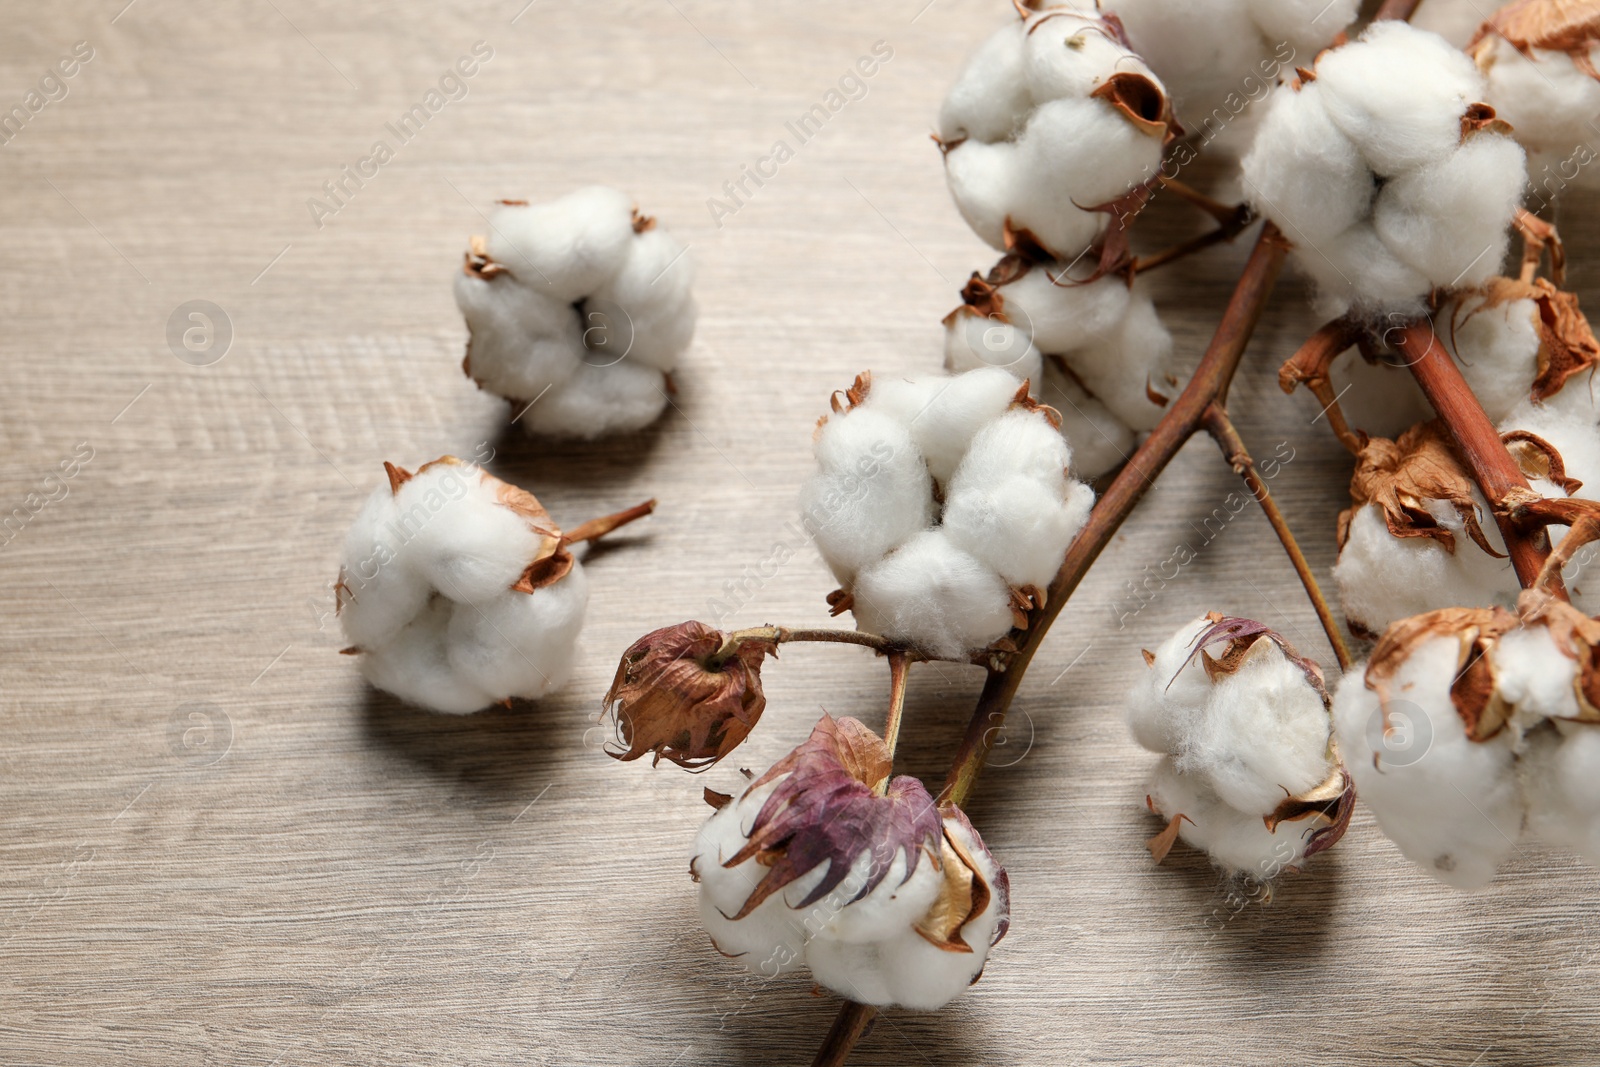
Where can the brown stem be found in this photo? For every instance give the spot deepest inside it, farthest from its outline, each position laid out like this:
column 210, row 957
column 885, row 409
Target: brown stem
column 781, row 635
column 849, row 1026
column 1224, row 233
column 1478, row 442
column 1225, row 214
column 899, row 671
column 1227, row 437
column 595, row 529
column 1309, row 367
column 1396, row 9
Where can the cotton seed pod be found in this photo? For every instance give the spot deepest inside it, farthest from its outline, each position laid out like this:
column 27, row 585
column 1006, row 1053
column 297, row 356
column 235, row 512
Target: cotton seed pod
column 1249, row 772
column 1388, row 172
column 576, row 311
column 683, row 693
column 1051, row 121
column 943, row 506
column 1468, row 724
column 1538, row 57
column 1519, row 341
column 1416, row 536
column 825, row 861
column 458, row 590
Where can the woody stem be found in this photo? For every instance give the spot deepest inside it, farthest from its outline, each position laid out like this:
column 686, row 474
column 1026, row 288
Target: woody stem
column 595, row 529
column 1222, row 430
column 1503, row 484
column 899, row 672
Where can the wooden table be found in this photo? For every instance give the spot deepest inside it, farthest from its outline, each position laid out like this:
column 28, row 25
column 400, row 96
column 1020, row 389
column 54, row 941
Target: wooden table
column 220, row 847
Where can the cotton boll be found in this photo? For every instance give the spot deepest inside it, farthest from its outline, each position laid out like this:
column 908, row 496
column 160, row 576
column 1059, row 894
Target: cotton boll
column 1099, row 440
column 520, row 645
column 1380, row 398
column 1123, row 370
column 1560, row 775
column 1550, row 102
column 1020, row 444
column 1166, row 698
column 648, row 308
column 1447, row 220
column 1307, row 25
column 412, row 665
column 990, row 99
column 1454, row 20
column 1382, row 578
column 982, row 179
column 520, row 340
column 1455, row 811
column 371, row 610
column 1305, row 174
column 972, row 342
column 1060, row 312
column 932, row 595
column 1399, row 94
column 1496, row 347
column 1069, row 56
column 871, row 493
column 568, row 246
column 1358, row 268
column 1534, row 676
column 1202, row 51
column 597, row 400
column 1234, row 840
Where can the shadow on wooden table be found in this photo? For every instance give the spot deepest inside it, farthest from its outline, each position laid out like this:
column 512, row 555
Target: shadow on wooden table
column 495, row 751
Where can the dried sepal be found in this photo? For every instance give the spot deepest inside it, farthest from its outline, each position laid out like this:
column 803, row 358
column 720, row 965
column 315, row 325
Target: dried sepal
column 966, row 893
column 476, row 262
column 1480, row 118
column 1331, row 804
column 1247, row 639
column 1139, row 100
column 1472, row 692
column 1576, row 635
column 1160, row 845
column 826, row 811
column 1570, row 26
column 1399, row 476
column 682, row 695
column 1567, row 344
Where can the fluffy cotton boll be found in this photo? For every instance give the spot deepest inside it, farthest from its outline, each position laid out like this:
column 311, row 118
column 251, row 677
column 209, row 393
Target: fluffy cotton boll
column 1004, row 514
column 1165, row 700
column 1235, row 840
column 1382, row 578
column 871, row 493
column 1125, row 368
column 1454, row 20
column 1306, row 25
column 1447, row 220
column 1399, row 93
column 567, row 247
column 990, row 100
column 1201, row 51
column 414, row 666
column 982, row 179
column 520, row 340
column 649, row 312
column 1560, row 772
column 599, row 399
column 1099, row 440
column 1077, row 153
column 1382, row 399
column 1069, row 55
column 972, row 342
column 520, row 645
column 461, row 541
column 1357, row 267
column 948, row 412
column 1303, row 172
column 1060, row 312
column 376, row 610
column 1533, row 675
column 1549, row 101
column 1455, row 811
column 1570, row 429
column 932, row 595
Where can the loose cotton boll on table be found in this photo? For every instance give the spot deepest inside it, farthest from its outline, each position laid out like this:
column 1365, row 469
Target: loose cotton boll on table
column 943, row 505
column 576, row 311
column 1248, row 773
column 1053, row 117
column 1386, row 173
column 457, row 590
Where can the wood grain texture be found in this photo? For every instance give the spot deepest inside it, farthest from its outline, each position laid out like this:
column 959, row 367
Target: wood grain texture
column 217, row 846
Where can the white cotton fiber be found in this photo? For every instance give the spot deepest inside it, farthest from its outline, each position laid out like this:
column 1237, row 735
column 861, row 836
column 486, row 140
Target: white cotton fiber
column 1560, row 778
column 1455, row 811
column 1454, row 20
column 1236, row 841
column 579, row 306
column 1380, row 398
column 872, row 491
column 1446, row 219
column 1551, row 102
column 1305, row 171
column 990, row 99
column 931, row 594
column 427, row 598
column 972, row 342
column 1099, row 440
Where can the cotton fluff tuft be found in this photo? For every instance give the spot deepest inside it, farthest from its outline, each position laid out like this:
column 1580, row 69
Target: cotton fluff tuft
column 427, row 598
column 942, row 505
column 1242, row 725
column 576, row 310
column 1382, row 176
column 1096, row 349
column 1545, row 84
column 1051, row 118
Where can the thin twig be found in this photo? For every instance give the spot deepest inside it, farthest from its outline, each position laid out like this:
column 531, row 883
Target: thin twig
column 899, row 670
column 595, row 529
column 1227, row 437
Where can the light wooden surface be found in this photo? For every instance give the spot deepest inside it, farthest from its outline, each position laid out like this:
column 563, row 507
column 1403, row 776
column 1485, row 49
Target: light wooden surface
column 217, row 846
